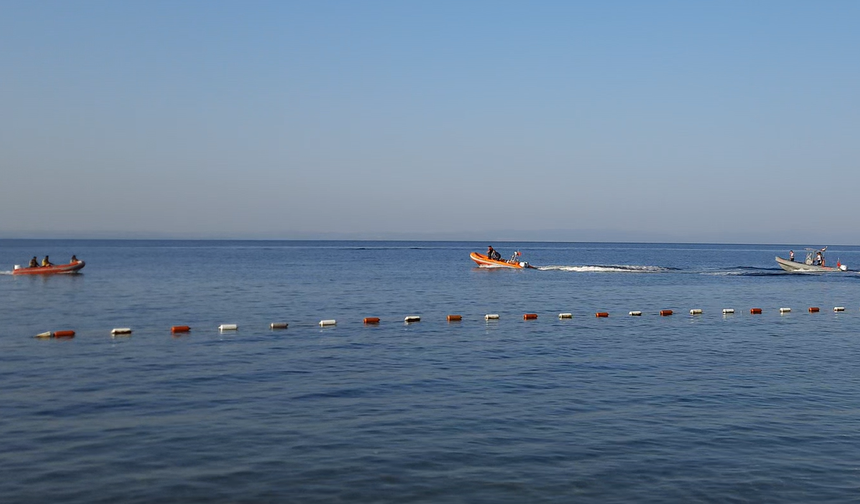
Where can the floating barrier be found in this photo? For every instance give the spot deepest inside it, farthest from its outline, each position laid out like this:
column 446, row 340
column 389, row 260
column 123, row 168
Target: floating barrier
column 415, row 318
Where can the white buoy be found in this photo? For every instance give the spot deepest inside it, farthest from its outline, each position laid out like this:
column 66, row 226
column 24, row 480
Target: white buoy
column 491, row 316
column 278, row 325
column 120, row 330
column 228, row 327
column 565, row 315
column 838, row 308
column 46, row 334
column 636, row 313
column 696, row 311
column 329, row 322
column 412, row 318
column 785, row 310
column 728, row 311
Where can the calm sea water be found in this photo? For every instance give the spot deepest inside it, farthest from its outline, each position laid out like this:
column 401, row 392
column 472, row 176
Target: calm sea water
column 706, row 408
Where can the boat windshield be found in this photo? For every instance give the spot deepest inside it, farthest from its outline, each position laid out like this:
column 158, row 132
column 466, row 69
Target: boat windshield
column 815, row 256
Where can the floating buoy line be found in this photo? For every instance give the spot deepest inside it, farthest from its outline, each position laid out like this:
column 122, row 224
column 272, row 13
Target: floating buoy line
column 411, row 319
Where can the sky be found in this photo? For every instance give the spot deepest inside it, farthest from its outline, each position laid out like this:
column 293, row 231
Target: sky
column 663, row 121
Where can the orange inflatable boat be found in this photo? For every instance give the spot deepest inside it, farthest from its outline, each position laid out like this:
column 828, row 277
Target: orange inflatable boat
column 50, row 270
column 485, row 262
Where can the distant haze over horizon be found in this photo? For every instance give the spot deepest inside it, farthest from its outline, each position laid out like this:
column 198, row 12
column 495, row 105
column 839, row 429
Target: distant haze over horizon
column 652, row 122
column 501, row 237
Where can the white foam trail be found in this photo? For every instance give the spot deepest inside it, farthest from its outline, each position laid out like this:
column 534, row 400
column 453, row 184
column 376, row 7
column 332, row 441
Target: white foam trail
column 605, row 269
column 5, row 272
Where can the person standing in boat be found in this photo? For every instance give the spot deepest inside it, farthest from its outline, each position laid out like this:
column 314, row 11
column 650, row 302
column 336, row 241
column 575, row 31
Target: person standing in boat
column 492, row 254
column 791, row 255
column 819, row 259
column 46, row 262
column 34, row 263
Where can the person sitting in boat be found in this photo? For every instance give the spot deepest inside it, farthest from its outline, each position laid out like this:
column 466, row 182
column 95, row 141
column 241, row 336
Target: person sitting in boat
column 492, row 254
column 75, row 259
column 46, row 262
column 791, row 255
column 34, row 263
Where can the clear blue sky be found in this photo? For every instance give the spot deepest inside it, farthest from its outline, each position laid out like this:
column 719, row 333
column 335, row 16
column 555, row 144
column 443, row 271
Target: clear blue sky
column 576, row 121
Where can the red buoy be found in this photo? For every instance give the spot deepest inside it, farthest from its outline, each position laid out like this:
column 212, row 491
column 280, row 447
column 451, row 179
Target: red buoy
column 665, row 313
column 180, row 328
column 755, row 311
column 530, row 316
column 64, row 334
column 371, row 320
column 601, row 314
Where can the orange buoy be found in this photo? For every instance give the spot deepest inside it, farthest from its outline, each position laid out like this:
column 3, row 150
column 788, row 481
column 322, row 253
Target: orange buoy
column 813, row 309
column 371, row 320
column 530, row 316
column 180, row 328
column 64, row 334
column 665, row 313
column 455, row 318
column 601, row 314
column 755, row 311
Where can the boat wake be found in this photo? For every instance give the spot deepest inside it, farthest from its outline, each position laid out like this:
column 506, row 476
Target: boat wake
column 746, row 271
column 5, row 272
column 612, row 268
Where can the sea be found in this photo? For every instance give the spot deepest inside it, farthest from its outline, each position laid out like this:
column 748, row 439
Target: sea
column 706, row 407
